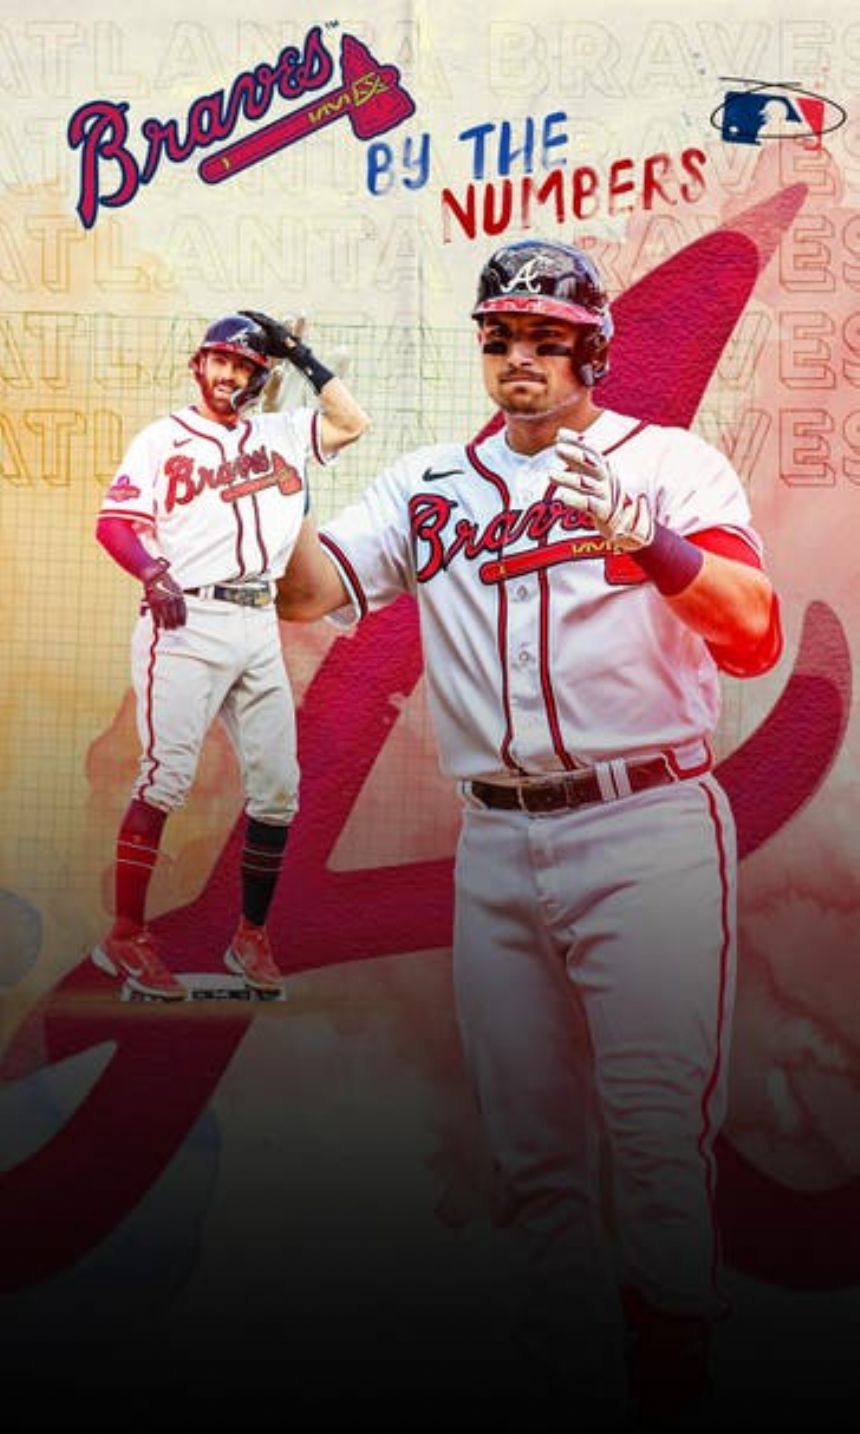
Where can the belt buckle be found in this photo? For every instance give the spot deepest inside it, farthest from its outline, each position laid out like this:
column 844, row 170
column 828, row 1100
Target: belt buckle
column 250, row 596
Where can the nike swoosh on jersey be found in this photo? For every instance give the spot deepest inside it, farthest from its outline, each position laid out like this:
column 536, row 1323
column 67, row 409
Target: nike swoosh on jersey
column 430, row 475
column 180, row 442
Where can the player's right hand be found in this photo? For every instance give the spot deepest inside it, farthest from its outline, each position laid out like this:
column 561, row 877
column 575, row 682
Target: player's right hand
column 163, row 596
column 588, row 482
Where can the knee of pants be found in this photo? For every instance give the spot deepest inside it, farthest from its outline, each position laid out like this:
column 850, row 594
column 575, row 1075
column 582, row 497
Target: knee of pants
column 277, row 808
column 167, row 790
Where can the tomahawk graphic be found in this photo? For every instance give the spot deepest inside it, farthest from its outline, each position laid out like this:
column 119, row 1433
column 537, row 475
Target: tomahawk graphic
column 371, row 98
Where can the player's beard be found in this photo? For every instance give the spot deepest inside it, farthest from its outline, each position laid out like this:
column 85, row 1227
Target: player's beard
column 523, row 402
column 536, row 406
column 219, row 396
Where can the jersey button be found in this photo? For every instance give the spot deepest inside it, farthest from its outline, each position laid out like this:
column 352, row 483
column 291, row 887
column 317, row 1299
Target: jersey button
column 524, row 657
column 522, row 592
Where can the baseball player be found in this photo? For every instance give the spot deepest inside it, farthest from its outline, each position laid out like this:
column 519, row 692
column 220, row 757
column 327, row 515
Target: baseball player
column 581, row 578
column 204, row 512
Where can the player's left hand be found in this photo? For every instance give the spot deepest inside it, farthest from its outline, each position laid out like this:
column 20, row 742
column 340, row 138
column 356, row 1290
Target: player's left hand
column 588, row 482
column 164, row 597
column 286, row 343
column 281, row 340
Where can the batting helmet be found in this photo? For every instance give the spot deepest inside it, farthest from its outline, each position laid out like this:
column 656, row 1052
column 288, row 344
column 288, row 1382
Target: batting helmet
column 235, row 334
column 538, row 276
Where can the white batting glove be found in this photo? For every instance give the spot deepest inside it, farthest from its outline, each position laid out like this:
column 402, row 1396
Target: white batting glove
column 589, row 483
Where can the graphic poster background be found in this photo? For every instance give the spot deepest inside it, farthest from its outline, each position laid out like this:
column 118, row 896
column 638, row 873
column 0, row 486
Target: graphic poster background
column 307, row 1181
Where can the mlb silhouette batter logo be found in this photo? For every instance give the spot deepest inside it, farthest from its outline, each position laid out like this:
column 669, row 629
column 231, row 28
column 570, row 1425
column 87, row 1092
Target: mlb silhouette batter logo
column 768, row 110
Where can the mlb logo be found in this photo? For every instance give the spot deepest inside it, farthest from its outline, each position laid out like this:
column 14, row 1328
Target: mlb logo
column 750, row 116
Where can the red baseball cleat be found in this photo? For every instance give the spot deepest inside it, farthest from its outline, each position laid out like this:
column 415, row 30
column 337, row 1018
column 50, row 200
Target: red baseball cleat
column 136, row 958
column 250, row 956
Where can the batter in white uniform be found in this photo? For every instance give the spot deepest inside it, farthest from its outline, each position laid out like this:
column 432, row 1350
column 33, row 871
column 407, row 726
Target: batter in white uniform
column 205, row 511
column 580, row 577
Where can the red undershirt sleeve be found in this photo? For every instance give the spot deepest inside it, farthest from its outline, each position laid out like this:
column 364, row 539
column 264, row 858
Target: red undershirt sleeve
column 742, row 661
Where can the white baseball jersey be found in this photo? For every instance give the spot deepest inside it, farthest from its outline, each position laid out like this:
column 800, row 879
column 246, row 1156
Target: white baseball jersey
column 224, row 504
column 544, row 650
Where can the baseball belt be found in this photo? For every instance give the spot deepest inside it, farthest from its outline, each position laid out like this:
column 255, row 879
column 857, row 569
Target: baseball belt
column 576, row 789
column 245, row 594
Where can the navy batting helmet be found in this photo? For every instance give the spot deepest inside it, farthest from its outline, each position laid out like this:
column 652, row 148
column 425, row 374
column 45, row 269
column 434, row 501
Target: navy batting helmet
column 539, row 276
column 236, row 334
column 239, row 335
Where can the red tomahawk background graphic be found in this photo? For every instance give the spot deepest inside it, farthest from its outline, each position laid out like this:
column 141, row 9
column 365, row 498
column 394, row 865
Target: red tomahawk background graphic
column 70, row 1194
column 370, row 98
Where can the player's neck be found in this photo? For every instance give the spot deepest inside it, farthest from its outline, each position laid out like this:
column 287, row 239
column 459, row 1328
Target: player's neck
column 225, row 420
column 529, row 434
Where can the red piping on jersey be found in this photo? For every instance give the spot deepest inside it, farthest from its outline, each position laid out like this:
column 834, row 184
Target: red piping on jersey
column 502, row 626
column 705, row 1142
column 684, row 773
column 154, row 762
column 258, row 529
column 211, row 437
column 131, row 515
column 189, row 428
column 545, row 676
column 625, row 438
column 352, row 576
column 240, row 536
column 316, row 439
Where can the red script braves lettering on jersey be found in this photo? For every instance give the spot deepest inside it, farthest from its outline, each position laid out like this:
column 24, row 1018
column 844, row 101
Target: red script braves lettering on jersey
column 260, row 469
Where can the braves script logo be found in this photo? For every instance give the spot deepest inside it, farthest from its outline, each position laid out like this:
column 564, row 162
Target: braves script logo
column 438, row 541
column 236, row 478
column 430, row 516
column 58, row 1202
column 370, row 96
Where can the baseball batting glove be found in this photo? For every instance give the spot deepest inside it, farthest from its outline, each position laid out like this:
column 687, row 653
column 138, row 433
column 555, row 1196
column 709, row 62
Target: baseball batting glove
column 285, row 344
column 589, row 483
column 163, row 595
column 286, row 385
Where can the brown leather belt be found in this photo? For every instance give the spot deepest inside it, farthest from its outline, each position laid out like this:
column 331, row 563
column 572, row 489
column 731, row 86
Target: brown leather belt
column 574, row 789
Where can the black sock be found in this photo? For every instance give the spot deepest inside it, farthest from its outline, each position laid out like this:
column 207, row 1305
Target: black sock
column 262, row 855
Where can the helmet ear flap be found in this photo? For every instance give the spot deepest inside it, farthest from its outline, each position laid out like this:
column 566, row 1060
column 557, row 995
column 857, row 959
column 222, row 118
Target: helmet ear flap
column 591, row 357
column 252, row 390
